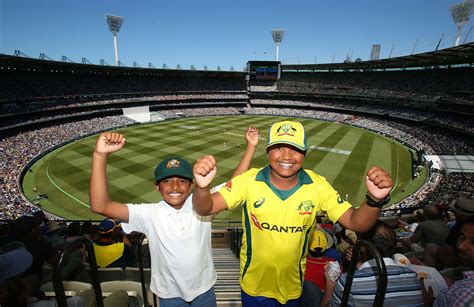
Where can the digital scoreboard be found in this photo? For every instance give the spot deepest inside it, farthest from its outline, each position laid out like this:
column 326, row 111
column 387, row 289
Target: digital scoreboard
column 264, row 70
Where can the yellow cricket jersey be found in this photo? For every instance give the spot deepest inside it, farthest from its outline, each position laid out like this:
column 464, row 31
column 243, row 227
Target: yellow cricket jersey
column 277, row 226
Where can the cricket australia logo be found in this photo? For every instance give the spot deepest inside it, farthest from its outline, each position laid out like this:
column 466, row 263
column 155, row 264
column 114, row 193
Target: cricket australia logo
column 286, row 129
column 259, row 202
column 306, row 207
column 173, row 163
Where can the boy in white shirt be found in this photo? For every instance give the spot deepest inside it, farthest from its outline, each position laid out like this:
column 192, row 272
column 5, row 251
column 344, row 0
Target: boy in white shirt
column 179, row 239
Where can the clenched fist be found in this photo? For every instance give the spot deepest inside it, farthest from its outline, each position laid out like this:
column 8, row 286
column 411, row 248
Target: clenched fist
column 109, row 142
column 204, row 171
column 378, row 182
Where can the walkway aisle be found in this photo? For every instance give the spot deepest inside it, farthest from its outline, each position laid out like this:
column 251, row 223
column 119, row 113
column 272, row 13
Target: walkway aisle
column 227, row 285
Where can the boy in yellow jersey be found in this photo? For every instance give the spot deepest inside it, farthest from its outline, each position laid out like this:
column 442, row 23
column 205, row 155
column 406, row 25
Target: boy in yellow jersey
column 280, row 202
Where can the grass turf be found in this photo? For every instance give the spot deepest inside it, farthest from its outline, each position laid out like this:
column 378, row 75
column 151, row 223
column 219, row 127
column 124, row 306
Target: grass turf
column 341, row 153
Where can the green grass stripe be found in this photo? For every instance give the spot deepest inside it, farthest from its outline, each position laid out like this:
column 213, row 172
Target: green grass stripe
column 130, row 171
column 352, row 174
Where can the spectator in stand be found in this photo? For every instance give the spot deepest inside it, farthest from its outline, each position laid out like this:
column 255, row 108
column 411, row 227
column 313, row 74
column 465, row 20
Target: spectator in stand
column 108, row 252
column 446, row 255
column 54, row 235
column 27, row 231
column 315, row 267
column 403, row 287
column 461, row 292
column 429, row 234
column 73, row 232
column 14, row 260
column 86, row 229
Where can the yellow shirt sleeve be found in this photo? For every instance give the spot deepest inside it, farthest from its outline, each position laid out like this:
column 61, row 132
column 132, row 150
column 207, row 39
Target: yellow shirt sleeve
column 332, row 202
column 235, row 190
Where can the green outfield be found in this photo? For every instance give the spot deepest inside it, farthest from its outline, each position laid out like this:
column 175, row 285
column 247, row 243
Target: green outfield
column 340, row 152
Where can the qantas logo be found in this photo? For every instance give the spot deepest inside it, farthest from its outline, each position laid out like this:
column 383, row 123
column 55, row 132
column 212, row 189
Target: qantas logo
column 277, row 228
column 255, row 222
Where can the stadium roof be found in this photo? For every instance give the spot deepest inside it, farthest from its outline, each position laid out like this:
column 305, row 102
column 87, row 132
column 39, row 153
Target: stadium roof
column 21, row 63
column 460, row 55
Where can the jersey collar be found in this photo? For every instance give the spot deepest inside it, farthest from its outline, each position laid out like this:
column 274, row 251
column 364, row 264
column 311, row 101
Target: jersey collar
column 264, row 175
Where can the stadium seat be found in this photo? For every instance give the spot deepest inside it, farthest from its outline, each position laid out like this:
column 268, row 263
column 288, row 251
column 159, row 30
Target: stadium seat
column 133, row 274
column 110, row 274
column 133, row 288
column 71, row 288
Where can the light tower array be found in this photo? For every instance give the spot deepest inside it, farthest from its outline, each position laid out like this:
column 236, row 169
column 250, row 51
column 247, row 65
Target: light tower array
column 114, row 23
column 277, row 35
column 461, row 13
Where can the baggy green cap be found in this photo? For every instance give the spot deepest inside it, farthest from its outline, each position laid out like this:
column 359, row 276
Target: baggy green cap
column 173, row 167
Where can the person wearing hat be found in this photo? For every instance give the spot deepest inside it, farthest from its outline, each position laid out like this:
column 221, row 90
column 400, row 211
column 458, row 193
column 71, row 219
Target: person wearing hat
column 108, row 252
column 446, row 256
column 315, row 267
column 179, row 239
column 461, row 291
column 14, row 260
column 320, row 243
column 280, row 202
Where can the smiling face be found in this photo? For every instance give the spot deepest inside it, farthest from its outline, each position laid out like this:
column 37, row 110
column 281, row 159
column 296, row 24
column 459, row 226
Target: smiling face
column 285, row 162
column 466, row 243
column 175, row 191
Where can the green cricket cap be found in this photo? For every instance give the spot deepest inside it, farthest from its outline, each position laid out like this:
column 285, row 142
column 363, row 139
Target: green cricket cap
column 173, row 167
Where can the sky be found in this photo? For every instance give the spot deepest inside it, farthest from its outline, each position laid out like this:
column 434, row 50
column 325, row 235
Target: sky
column 225, row 32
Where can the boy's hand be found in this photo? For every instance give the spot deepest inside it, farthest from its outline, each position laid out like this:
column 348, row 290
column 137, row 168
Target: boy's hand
column 251, row 136
column 109, row 142
column 378, row 183
column 330, row 284
column 204, row 171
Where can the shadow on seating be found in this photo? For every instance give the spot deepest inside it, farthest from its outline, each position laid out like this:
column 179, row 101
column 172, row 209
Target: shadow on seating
column 133, row 288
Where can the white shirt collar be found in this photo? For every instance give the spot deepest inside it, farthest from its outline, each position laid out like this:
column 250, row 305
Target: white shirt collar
column 187, row 207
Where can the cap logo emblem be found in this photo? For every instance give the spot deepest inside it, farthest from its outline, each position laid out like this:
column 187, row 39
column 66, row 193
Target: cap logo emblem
column 286, row 129
column 173, row 163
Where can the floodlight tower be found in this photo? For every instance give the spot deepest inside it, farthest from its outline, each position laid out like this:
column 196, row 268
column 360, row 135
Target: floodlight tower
column 460, row 13
column 114, row 23
column 277, row 35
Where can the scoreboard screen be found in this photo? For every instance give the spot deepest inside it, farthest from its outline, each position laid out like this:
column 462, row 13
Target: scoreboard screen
column 264, row 70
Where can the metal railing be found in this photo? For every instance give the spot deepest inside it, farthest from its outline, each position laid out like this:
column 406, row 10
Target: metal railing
column 381, row 273
column 58, row 278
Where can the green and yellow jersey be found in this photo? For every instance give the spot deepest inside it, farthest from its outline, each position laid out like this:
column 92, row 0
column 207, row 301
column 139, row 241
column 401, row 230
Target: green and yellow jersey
column 277, row 226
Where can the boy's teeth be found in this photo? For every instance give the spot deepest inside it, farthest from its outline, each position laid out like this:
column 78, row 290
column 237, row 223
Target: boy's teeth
column 285, row 165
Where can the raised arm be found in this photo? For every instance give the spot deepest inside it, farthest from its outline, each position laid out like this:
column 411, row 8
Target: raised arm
column 204, row 202
column 379, row 184
column 251, row 137
column 100, row 201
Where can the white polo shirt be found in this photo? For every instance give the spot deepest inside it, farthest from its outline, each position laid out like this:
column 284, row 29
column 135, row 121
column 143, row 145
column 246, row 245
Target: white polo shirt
column 180, row 248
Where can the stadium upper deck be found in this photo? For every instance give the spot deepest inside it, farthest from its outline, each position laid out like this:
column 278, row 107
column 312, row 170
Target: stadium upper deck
column 461, row 55
column 440, row 82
